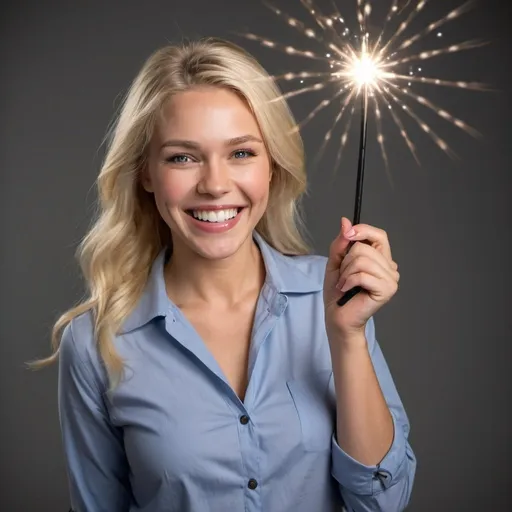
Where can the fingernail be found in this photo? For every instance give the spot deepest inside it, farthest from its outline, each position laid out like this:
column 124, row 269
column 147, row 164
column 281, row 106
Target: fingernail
column 350, row 233
column 340, row 284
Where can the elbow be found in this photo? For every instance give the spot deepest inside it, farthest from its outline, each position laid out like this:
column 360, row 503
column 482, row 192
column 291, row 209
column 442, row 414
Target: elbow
column 386, row 496
column 397, row 496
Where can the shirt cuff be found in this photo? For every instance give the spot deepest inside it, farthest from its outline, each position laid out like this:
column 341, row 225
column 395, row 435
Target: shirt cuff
column 368, row 480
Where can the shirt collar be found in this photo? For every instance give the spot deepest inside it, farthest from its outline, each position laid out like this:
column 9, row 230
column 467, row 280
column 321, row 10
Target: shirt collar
column 284, row 275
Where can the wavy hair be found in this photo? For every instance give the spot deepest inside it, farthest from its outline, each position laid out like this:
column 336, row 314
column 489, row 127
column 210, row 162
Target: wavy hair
column 117, row 253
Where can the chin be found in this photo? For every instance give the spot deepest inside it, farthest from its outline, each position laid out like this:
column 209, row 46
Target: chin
column 217, row 247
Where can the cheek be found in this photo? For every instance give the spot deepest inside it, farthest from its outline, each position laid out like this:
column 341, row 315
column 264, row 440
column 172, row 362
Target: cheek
column 256, row 185
column 172, row 189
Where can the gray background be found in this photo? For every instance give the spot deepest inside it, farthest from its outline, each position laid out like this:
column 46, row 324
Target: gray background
column 446, row 334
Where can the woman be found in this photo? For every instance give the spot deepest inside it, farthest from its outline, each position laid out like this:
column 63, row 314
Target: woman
column 211, row 368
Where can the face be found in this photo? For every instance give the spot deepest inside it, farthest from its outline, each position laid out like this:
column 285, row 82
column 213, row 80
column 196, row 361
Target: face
column 209, row 171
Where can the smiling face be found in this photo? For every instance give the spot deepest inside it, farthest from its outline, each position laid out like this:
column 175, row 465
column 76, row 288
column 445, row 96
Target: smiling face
column 209, row 171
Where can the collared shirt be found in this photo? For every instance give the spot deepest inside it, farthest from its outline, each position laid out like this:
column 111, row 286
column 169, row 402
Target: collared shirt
column 175, row 437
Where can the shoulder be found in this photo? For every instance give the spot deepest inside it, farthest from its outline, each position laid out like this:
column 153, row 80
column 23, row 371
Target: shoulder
column 78, row 349
column 77, row 339
column 311, row 265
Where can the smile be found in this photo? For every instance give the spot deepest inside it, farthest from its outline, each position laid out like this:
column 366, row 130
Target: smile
column 214, row 216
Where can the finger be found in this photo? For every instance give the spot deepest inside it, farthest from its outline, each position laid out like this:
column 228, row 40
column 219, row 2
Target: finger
column 371, row 284
column 368, row 266
column 376, row 236
column 339, row 246
column 362, row 249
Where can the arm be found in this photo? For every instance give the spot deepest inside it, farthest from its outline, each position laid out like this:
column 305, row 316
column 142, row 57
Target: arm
column 371, row 457
column 93, row 448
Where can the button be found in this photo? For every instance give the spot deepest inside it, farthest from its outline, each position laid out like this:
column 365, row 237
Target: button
column 383, row 476
column 252, row 484
column 244, row 419
column 279, row 305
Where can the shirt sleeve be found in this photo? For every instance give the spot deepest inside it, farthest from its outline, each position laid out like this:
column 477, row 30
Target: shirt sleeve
column 387, row 486
column 93, row 448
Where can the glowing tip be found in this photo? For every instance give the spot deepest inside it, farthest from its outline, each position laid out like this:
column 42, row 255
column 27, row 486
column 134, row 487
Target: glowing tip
column 365, row 70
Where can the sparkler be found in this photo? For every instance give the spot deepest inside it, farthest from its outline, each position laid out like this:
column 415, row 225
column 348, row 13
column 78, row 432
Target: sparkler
column 369, row 68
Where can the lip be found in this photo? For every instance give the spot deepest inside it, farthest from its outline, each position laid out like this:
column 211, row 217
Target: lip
column 216, row 227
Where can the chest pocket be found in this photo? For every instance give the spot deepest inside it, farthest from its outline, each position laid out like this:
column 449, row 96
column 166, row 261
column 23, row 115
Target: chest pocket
column 316, row 408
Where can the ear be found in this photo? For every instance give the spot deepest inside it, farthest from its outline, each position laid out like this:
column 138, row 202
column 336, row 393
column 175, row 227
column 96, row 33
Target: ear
column 145, row 179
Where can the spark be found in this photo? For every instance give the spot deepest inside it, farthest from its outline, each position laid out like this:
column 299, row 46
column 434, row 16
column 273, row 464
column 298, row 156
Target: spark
column 358, row 61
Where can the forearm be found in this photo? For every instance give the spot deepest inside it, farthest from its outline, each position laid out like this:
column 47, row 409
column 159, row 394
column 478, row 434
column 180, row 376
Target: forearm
column 364, row 424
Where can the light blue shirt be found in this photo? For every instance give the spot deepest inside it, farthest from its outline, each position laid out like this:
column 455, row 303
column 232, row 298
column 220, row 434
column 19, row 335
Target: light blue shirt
column 175, row 437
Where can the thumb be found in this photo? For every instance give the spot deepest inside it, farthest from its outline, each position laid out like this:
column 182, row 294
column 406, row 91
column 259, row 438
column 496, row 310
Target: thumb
column 339, row 246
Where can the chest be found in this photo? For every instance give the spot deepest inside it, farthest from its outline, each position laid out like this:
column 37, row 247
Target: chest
column 182, row 430
column 227, row 335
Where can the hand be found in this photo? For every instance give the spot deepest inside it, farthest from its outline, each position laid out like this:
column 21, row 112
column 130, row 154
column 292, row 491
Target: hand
column 368, row 264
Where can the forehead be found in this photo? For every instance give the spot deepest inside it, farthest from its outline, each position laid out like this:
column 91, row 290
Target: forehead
column 207, row 113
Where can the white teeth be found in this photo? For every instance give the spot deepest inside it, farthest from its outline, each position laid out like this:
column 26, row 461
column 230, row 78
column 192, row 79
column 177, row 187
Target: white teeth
column 215, row 216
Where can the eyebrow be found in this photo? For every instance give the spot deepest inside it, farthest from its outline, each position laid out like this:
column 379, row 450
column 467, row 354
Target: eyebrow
column 190, row 144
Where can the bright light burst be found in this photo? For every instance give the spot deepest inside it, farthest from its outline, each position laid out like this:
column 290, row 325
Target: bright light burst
column 384, row 67
column 364, row 70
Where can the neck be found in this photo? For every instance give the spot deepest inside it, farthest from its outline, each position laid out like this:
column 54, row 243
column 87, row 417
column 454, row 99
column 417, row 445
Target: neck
column 192, row 279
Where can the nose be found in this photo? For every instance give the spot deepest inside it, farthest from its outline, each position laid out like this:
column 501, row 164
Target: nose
column 215, row 179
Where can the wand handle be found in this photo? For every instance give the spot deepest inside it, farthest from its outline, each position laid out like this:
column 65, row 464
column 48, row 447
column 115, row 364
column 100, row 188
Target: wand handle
column 359, row 188
column 350, row 293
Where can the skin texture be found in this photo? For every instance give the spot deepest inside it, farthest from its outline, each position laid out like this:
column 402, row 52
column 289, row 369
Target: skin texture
column 364, row 424
column 369, row 264
column 220, row 266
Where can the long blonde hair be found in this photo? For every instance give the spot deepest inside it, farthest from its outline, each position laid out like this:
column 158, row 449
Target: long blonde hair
column 117, row 253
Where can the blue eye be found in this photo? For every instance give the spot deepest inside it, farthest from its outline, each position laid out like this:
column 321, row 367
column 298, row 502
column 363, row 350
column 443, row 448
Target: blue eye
column 178, row 159
column 244, row 153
